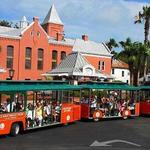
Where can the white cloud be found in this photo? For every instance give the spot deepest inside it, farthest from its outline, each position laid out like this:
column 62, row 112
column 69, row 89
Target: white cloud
column 134, row 6
column 101, row 19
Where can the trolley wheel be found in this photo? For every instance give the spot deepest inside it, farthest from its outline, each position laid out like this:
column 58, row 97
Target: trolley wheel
column 126, row 114
column 97, row 115
column 15, row 129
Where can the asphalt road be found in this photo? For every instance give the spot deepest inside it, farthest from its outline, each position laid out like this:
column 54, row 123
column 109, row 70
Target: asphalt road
column 109, row 134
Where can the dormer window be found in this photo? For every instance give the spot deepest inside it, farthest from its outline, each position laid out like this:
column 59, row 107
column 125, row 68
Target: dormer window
column 38, row 34
column 31, row 33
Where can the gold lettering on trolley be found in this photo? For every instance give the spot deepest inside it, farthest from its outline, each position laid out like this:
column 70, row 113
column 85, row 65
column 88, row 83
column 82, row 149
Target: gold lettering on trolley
column 67, row 109
column 11, row 115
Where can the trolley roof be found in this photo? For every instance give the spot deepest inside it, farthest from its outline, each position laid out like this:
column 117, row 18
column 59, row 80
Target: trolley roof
column 8, row 86
column 37, row 87
column 110, row 87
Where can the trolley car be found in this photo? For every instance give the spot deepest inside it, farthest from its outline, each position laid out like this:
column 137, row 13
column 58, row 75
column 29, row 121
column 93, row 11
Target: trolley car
column 109, row 101
column 28, row 105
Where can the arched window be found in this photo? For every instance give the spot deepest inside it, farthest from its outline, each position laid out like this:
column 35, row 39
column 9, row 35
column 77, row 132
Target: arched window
column 40, row 59
column 10, row 56
column 63, row 55
column 28, row 57
column 54, row 59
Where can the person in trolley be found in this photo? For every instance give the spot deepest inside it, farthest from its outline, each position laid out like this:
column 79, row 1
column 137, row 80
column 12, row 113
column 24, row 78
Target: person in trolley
column 47, row 114
column 57, row 111
column 30, row 115
column 39, row 114
column 93, row 104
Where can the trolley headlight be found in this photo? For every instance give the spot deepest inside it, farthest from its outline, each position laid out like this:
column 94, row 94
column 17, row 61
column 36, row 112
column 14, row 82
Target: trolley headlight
column 2, row 125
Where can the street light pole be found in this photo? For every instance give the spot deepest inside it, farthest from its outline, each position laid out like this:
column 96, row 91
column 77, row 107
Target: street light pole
column 11, row 73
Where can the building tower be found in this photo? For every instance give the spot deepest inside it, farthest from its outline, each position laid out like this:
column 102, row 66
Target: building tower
column 23, row 22
column 53, row 25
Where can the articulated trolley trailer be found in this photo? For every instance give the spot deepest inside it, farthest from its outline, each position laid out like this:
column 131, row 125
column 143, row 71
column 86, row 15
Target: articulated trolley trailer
column 109, row 101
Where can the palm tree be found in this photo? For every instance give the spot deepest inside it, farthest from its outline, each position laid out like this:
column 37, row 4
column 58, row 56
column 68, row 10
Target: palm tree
column 144, row 17
column 127, row 56
column 134, row 54
column 111, row 44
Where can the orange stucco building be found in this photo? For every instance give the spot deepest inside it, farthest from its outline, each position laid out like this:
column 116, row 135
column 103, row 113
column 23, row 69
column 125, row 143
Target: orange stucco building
column 33, row 49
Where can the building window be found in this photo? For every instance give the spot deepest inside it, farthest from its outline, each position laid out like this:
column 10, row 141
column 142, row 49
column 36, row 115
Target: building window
column 63, row 55
column 28, row 58
column 113, row 71
column 31, row 33
column 38, row 34
column 40, row 59
column 10, row 55
column 54, row 59
column 122, row 73
column 101, row 65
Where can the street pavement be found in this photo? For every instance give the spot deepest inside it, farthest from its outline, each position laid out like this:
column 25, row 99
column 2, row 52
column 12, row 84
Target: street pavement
column 118, row 134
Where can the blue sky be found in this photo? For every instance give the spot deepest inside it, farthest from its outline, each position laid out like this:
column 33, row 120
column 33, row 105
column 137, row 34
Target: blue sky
column 100, row 19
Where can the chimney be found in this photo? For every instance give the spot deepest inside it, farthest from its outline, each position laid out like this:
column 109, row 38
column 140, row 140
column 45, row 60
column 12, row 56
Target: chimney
column 85, row 37
column 35, row 19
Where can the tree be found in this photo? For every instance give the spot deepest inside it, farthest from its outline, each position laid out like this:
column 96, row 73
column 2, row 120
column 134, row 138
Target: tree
column 134, row 54
column 111, row 44
column 144, row 17
column 16, row 26
column 5, row 23
column 127, row 56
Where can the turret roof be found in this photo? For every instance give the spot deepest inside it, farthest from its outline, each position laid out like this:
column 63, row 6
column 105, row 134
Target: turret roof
column 52, row 16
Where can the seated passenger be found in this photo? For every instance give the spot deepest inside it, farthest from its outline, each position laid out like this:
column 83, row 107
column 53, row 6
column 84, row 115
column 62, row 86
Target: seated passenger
column 2, row 109
column 39, row 114
column 110, row 107
column 119, row 107
column 48, row 112
column 115, row 107
column 30, row 115
column 124, row 105
column 83, row 99
column 94, row 102
column 18, row 107
column 93, row 105
column 131, row 106
column 57, row 112
column 10, row 105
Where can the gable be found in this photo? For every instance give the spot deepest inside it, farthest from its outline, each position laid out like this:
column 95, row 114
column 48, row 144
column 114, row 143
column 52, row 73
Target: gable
column 34, row 32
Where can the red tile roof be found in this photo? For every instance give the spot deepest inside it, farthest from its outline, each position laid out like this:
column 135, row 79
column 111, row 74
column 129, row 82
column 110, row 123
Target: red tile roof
column 119, row 64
